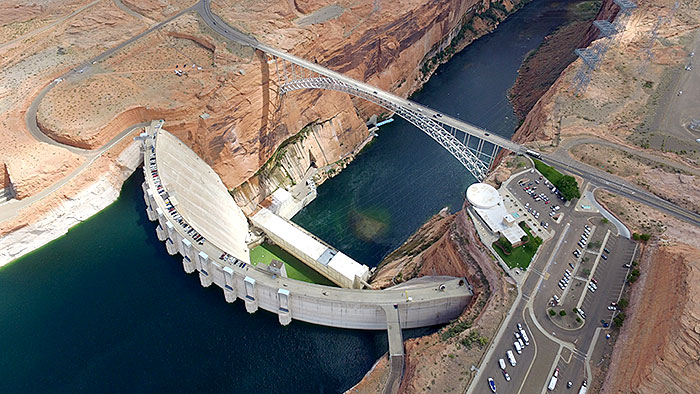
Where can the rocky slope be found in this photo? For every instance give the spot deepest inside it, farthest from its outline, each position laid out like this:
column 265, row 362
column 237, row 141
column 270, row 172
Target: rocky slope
column 660, row 342
column 542, row 67
column 663, row 333
column 229, row 112
column 446, row 245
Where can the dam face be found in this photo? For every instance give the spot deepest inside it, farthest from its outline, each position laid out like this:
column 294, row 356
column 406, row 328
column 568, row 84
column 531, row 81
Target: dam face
column 219, row 256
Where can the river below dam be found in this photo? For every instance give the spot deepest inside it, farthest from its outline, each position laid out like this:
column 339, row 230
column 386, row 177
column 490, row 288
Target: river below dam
column 106, row 309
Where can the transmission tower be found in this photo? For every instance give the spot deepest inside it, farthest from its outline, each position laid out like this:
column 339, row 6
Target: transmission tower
column 593, row 54
column 647, row 55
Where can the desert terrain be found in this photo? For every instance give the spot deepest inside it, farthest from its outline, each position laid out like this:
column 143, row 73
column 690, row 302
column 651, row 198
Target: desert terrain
column 85, row 108
column 631, row 121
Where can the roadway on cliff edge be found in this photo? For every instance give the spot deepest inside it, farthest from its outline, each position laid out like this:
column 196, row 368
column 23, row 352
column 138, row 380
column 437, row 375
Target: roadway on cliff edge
column 616, row 185
column 597, row 178
column 30, row 117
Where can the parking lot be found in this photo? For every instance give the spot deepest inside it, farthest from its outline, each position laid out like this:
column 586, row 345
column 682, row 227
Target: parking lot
column 588, row 280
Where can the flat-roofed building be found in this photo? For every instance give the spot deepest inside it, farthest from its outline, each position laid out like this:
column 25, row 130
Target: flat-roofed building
column 488, row 204
column 324, row 259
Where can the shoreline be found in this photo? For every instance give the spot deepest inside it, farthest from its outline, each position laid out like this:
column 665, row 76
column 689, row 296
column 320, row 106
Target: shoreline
column 72, row 210
column 97, row 195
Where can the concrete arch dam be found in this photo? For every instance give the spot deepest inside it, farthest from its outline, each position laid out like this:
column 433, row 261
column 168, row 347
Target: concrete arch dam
column 199, row 220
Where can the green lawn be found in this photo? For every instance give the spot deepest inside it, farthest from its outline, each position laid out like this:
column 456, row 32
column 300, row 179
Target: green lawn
column 549, row 172
column 522, row 255
column 295, row 268
column 567, row 185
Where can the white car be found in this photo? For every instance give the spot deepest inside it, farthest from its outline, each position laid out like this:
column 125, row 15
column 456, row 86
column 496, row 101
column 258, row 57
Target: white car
column 611, row 308
column 517, row 347
column 502, row 364
column 511, row 358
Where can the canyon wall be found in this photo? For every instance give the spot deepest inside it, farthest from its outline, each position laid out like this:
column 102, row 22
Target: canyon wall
column 227, row 108
column 446, row 245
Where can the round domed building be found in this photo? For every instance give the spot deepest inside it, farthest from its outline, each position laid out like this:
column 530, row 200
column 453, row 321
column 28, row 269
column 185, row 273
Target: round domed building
column 487, row 203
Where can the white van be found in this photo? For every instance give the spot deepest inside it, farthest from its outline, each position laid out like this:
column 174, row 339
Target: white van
column 502, row 364
column 517, row 347
column 511, row 358
column 525, row 338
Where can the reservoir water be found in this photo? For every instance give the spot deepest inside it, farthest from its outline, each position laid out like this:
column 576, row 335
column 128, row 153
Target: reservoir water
column 403, row 177
column 106, row 309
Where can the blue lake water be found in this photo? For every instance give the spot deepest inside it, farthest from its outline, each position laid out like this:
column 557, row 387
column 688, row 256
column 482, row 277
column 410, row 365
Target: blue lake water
column 106, row 309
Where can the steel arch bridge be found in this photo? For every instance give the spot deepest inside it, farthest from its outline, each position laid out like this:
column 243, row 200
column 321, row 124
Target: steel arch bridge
column 476, row 159
column 473, row 147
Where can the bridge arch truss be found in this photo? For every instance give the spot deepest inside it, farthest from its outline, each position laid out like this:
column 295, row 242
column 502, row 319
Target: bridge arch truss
column 475, row 154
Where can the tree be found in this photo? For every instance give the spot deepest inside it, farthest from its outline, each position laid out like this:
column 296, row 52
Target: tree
column 562, row 313
column 574, row 310
column 551, row 312
column 568, row 187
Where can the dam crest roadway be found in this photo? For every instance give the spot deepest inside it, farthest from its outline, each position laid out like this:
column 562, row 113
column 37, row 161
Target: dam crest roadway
column 199, row 220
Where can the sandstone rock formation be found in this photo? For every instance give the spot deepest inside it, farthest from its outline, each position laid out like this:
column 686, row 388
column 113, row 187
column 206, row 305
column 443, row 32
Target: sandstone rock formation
column 658, row 347
column 446, row 245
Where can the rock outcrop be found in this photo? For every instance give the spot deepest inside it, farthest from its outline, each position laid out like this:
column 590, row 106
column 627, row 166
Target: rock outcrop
column 229, row 112
column 446, row 245
column 663, row 334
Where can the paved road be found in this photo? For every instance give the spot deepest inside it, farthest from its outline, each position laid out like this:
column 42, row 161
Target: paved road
column 569, row 143
column 555, row 345
column 30, row 117
column 11, row 208
column 618, row 186
column 49, row 26
column 218, row 25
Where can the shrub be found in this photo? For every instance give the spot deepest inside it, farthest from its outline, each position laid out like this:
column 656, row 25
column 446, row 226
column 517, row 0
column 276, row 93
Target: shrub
column 644, row 237
column 623, row 303
column 454, row 329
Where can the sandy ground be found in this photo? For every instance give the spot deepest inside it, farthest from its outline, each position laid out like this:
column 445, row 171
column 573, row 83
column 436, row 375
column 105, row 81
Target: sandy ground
column 658, row 346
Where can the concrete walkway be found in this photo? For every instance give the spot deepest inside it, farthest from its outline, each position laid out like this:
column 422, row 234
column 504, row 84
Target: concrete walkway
column 396, row 350
column 621, row 228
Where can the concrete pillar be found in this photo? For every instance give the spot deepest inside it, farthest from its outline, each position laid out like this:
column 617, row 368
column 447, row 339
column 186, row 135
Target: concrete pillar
column 203, row 264
column 161, row 218
column 229, row 285
column 251, row 302
column 187, row 256
column 152, row 216
column 175, row 236
column 162, row 235
column 283, row 312
column 171, row 244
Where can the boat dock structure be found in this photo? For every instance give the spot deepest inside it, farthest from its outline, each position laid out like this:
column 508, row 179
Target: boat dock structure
column 198, row 219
